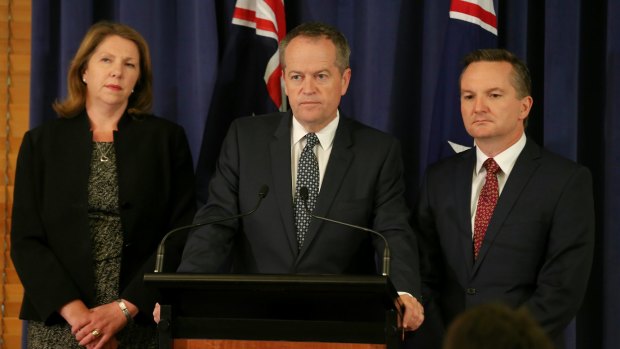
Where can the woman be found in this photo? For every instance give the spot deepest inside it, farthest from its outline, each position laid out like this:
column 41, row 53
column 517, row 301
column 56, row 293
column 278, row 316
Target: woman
column 95, row 191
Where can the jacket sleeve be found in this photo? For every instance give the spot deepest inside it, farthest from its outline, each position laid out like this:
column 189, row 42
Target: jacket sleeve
column 563, row 277
column 46, row 282
column 391, row 217
column 431, row 262
column 208, row 247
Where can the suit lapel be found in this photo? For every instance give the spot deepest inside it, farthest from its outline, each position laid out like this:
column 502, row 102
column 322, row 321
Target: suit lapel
column 280, row 151
column 73, row 155
column 339, row 161
column 524, row 168
column 70, row 167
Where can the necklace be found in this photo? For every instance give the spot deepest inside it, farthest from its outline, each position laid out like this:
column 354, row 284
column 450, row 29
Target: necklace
column 103, row 156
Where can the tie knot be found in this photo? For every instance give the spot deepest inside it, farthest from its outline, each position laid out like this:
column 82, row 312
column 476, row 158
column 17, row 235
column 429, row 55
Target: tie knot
column 491, row 166
column 311, row 140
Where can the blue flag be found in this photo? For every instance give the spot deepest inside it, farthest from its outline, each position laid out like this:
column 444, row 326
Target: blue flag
column 248, row 80
column 472, row 25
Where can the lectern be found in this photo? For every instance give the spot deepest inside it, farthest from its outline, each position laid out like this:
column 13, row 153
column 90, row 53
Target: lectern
column 277, row 311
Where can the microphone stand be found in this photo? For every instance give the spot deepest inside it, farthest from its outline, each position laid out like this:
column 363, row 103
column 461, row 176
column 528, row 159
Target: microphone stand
column 385, row 271
column 159, row 260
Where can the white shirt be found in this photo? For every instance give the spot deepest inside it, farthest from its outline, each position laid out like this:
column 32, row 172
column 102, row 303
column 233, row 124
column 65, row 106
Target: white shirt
column 322, row 150
column 506, row 161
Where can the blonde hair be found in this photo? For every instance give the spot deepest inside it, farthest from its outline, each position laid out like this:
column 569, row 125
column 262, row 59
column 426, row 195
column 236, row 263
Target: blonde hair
column 140, row 100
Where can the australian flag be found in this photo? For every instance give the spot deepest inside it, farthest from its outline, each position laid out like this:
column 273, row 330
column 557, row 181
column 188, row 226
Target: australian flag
column 249, row 74
column 472, row 25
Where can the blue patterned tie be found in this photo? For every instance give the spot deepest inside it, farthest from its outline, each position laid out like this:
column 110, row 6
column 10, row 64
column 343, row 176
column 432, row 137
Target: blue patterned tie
column 307, row 176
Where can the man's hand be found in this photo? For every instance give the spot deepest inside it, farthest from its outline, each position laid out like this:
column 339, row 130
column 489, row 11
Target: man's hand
column 157, row 313
column 414, row 312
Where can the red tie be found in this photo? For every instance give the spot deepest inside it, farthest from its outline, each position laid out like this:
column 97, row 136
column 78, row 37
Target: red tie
column 486, row 203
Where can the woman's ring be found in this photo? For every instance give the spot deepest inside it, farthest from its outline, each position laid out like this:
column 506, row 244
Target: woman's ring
column 96, row 333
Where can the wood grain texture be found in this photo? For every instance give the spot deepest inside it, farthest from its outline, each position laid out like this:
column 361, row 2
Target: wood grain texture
column 15, row 98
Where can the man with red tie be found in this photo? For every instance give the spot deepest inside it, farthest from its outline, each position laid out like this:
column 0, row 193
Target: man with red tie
column 506, row 221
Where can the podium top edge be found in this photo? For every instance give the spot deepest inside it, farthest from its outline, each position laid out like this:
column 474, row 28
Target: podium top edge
column 298, row 286
column 267, row 278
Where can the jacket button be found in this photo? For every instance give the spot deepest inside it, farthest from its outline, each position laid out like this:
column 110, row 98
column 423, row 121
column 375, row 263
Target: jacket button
column 470, row 291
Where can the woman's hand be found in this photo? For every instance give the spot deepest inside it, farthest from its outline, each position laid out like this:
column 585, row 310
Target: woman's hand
column 104, row 322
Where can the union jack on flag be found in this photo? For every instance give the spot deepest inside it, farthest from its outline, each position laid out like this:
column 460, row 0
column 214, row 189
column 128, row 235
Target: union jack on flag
column 267, row 18
column 480, row 12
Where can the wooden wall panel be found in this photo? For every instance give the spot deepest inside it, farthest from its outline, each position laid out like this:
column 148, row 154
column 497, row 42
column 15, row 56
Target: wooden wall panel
column 14, row 98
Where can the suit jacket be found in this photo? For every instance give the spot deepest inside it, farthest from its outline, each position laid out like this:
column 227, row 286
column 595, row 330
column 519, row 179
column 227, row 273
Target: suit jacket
column 50, row 239
column 538, row 248
column 362, row 185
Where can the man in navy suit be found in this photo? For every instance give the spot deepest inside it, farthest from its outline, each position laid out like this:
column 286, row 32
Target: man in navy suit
column 526, row 238
column 359, row 180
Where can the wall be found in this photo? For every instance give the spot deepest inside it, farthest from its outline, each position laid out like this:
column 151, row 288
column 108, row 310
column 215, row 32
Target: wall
column 15, row 20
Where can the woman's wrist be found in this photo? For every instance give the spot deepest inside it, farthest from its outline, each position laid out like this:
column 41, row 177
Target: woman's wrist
column 128, row 309
column 72, row 310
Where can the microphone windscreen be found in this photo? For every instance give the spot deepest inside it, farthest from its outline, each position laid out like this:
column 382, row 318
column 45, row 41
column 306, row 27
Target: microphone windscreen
column 264, row 190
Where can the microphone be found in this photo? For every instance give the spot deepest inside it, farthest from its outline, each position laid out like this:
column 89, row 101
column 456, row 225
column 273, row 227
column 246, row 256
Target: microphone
column 159, row 261
column 303, row 193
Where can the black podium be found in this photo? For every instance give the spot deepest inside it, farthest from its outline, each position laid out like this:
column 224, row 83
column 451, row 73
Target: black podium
column 260, row 308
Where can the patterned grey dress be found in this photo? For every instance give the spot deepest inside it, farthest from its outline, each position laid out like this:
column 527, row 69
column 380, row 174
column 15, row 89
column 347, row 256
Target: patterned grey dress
column 107, row 241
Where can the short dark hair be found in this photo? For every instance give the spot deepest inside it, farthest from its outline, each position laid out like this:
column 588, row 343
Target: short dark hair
column 521, row 79
column 319, row 30
column 139, row 102
column 494, row 325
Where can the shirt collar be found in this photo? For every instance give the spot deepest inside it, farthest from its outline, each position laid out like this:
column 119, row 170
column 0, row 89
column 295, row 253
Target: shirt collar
column 326, row 134
column 506, row 159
